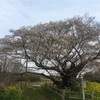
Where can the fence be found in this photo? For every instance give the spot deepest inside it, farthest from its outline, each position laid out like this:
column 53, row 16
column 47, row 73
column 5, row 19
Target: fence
column 69, row 95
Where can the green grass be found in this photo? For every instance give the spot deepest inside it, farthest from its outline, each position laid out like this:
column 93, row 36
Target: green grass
column 40, row 94
column 38, row 91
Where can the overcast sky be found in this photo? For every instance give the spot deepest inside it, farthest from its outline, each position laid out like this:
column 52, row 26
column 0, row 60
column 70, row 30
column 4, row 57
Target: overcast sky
column 17, row 13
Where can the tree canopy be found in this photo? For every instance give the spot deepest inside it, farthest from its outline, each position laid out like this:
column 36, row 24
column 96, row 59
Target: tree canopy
column 62, row 47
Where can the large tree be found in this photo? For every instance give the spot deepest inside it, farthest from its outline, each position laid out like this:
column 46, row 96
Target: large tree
column 61, row 48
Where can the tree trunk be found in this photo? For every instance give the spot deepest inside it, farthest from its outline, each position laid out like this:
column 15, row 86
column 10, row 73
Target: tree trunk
column 67, row 81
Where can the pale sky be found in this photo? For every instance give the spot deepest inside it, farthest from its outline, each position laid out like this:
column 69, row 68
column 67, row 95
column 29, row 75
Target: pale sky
column 17, row 13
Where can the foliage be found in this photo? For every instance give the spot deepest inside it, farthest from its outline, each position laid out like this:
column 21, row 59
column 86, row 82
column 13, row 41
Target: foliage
column 8, row 67
column 41, row 94
column 91, row 87
column 12, row 93
column 61, row 48
column 77, row 88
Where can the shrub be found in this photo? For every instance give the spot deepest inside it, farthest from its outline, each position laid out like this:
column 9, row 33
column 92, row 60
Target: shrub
column 12, row 93
column 92, row 87
column 95, row 88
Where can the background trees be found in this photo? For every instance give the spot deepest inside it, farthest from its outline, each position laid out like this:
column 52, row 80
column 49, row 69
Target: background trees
column 9, row 68
column 61, row 49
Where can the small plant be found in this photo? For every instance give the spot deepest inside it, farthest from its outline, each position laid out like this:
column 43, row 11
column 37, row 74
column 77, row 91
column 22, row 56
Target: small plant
column 12, row 93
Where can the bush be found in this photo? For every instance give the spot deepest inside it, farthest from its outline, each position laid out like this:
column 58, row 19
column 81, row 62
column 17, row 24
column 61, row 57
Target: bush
column 95, row 88
column 12, row 93
column 91, row 87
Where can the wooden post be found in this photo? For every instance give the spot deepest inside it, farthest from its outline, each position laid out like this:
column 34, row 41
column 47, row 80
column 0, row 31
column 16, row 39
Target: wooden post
column 25, row 88
column 92, row 96
column 63, row 96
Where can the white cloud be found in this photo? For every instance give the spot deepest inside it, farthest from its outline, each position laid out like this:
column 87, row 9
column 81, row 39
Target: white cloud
column 17, row 13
